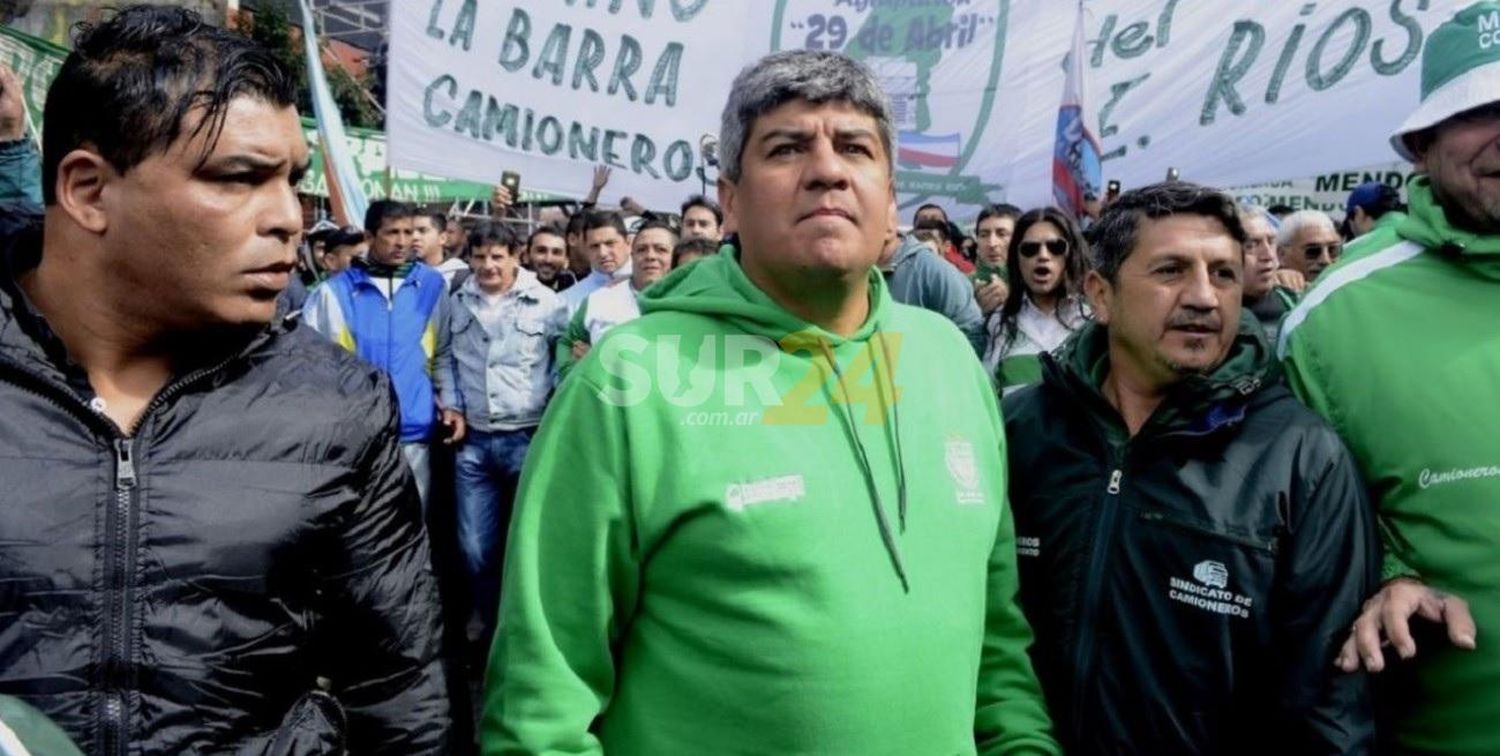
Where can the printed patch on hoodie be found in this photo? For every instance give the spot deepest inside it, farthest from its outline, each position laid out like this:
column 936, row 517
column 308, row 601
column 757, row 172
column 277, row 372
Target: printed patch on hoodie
column 962, row 465
column 741, row 496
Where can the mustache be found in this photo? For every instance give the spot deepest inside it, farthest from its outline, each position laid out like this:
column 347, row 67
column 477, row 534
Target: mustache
column 1209, row 320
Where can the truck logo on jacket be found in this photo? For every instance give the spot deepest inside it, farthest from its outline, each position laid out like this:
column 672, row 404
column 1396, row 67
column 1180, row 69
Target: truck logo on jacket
column 1210, row 592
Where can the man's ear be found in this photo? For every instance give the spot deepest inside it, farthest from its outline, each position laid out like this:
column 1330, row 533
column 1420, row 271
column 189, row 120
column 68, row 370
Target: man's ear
column 1101, row 295
column 727, row 198
column 82, row 176
column 1419, row 143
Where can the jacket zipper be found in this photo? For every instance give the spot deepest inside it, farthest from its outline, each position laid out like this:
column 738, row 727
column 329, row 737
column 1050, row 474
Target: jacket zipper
column 119, row 541
column 112, row 711
column 121, row 536
column 116, row 632
column 1094, row 579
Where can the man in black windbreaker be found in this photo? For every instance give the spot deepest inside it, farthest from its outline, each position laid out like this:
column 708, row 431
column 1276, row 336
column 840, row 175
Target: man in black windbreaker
column 209, row 542
column 1193, row 543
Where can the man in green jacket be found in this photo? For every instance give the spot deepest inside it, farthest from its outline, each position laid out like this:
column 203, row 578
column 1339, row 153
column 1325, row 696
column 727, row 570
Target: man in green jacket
column 767, row 516
column 1399, row 347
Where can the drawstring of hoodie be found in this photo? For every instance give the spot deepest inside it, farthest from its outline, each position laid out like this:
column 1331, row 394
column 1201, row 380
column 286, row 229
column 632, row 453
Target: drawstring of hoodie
column 894, row 429
column 886, row 536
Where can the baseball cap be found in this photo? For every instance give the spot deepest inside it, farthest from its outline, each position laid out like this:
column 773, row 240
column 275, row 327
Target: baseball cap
column 1368, row 195
column 1460, row 70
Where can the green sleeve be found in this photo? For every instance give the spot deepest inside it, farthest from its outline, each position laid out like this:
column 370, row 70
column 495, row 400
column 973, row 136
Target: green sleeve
column 1010, row 715
column 574, row 333
column 1305, row 377
column 571, row 580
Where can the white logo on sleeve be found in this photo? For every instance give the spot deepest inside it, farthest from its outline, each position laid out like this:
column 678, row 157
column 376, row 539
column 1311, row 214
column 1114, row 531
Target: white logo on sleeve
column 741, row 496
column 962, row 466
column 1211, row 591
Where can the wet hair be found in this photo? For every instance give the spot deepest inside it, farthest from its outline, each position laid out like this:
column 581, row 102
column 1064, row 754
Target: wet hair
column 491, row 233
column 1115, row 233
column 381, row 211
column 698, row 200
column 813, row 76
column 128, row 86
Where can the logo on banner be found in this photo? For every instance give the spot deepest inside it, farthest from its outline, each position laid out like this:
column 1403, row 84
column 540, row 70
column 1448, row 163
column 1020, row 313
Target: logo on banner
column 913, row 47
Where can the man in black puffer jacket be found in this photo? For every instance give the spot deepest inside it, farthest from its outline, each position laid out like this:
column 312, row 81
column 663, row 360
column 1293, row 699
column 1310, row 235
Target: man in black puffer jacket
column 1192, row 542
column 209, row 542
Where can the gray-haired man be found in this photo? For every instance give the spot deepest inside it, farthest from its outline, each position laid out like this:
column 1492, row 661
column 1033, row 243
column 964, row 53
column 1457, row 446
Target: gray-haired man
column 808, row 586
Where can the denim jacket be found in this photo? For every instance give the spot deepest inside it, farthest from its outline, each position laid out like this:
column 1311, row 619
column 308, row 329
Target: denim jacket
column 504, row 377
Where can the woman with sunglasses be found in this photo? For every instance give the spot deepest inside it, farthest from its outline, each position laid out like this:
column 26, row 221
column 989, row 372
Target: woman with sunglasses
column 1046, row 260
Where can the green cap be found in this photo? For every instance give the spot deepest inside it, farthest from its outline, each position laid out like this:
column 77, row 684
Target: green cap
column 1460, row 70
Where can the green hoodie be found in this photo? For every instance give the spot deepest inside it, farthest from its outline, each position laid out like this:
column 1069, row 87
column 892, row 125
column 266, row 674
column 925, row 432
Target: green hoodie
column 1398, row 345
column 750, row 555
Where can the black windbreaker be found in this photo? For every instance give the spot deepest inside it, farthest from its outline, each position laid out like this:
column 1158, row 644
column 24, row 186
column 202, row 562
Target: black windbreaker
column 184, row 590
column 1190, row 587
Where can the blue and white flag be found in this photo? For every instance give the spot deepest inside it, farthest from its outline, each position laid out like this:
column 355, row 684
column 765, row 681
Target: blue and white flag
column 345, row 193
column 1076, row 172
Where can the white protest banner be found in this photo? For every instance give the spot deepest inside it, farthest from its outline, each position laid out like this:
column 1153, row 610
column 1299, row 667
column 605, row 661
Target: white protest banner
column 1328, row 192
column 551, row 89
column 1230, row 92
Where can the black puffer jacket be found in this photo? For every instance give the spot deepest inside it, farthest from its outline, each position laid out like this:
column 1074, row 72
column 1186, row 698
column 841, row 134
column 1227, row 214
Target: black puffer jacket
column 184, row 590
column 1189, row 587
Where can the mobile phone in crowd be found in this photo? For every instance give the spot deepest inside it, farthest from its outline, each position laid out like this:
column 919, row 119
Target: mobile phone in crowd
column 512, row 181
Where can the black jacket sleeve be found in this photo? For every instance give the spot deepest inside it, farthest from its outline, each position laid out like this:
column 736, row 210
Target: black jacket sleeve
column 1331, row 564
column 384, row 609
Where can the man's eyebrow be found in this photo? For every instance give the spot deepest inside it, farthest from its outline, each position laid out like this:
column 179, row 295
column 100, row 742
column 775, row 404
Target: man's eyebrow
column 244, row 161
column 854, row 133
column 787, row 133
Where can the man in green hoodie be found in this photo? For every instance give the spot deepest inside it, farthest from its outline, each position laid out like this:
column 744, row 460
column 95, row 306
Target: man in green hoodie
column 751, row 521
column 1399, row 347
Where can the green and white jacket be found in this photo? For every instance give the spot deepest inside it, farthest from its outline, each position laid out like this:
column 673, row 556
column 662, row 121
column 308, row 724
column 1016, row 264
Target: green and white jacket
column 1014, row 360
column 1398, row 346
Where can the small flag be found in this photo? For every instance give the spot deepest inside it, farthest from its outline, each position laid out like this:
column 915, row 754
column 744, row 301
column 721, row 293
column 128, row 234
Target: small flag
column 928, row 150
column 1075, row 158
column 345, row 194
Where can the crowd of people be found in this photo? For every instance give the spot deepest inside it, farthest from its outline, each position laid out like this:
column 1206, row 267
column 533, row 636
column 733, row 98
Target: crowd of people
column 777, row 473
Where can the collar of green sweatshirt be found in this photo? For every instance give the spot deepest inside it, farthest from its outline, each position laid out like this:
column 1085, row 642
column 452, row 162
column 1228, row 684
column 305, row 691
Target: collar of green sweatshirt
column 1427, row 224
column 718, row 287
column 1198, row 405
